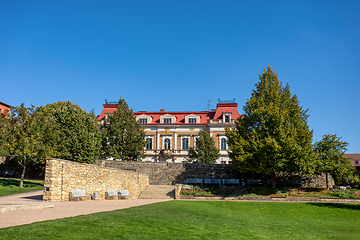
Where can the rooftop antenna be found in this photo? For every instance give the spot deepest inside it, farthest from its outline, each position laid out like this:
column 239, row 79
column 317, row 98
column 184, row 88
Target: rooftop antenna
column 208, row 104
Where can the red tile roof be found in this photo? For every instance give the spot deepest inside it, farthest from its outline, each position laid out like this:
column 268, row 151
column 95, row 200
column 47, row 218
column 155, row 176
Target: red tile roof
column 180, row 116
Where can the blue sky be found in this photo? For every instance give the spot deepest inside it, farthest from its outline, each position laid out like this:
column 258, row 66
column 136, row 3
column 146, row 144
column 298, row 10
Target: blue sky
column 177, row 55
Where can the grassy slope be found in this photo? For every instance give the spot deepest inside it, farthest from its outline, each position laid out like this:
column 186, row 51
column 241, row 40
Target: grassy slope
column 204, row 220
column 9, row 186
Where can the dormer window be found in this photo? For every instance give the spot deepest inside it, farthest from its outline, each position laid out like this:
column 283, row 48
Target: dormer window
column 192, row 120
column 143, row 119
column 226, row 117
column 167, row 118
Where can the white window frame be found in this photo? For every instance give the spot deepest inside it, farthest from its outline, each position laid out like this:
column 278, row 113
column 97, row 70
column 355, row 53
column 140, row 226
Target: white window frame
column 152, row 142
column 144, row 116
column 163, row 142
column 188, row 143
column 173, row 118
column 192, row 116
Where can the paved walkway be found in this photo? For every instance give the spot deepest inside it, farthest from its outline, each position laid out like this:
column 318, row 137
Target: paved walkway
column 30, row 208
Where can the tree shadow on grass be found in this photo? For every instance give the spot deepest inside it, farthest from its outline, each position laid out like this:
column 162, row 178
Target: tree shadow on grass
column 351, row 206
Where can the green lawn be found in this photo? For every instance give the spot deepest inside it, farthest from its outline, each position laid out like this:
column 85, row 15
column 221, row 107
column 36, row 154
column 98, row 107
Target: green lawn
column 204, row 220
column 9, row 186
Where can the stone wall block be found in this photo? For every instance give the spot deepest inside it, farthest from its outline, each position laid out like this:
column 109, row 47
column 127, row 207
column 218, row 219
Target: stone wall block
column 63, row 176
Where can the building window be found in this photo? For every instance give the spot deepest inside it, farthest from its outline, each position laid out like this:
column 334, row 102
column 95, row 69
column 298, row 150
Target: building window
column 196, row 142
column 167, row 120
column 223, row 144
column 227, row 118
column 148, row 143
column 167, row 143
column 356, row 162
column 143, row 120
column 192, row 120
column 223, row 162
column 185, row 143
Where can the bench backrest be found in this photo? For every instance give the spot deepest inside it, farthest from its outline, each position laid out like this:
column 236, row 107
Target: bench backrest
column 78, row 192
column 112, row 192
column 212, row 181
column 231, row 181
column 124, row 192
column 193, row 180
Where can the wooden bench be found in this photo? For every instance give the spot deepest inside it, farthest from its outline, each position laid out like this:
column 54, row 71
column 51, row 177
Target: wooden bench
column 124, row 193
column 113, row 193
column 78, row 193
column 231, row 182
column 194, row 181
column 9, row 173
column 212, row 181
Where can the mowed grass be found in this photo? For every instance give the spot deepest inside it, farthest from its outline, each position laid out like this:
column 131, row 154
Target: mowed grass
column 10, row 186
column 204, row 220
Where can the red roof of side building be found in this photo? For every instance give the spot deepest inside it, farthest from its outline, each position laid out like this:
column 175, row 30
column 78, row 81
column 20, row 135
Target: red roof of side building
column 354, row 159
column 180, row 116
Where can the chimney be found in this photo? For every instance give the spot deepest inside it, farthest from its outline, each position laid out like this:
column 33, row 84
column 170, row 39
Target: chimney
column 162, row 110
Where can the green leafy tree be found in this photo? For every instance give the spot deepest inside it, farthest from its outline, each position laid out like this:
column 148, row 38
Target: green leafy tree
column 3, row 120
column 272, row 136
column 122, row 136
column 205, row 150
column 331, row 160
column 22, row 138
column 69, row 132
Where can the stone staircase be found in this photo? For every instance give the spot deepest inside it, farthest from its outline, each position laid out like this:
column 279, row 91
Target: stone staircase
column 158, row 192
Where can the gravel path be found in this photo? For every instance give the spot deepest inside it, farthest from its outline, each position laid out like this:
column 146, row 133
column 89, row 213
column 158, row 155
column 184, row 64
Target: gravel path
column 55, row 210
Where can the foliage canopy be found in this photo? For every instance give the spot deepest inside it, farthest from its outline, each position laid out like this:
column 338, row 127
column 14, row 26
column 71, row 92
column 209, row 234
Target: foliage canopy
column 272, row 136
column 330, row 158
column 71, row 132
column 205, row 150
column 122, row 136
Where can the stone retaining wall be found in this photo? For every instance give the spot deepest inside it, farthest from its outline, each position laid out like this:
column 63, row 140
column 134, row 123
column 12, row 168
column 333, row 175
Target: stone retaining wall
column 163, row 173
column 61, row 176
column 273, row 199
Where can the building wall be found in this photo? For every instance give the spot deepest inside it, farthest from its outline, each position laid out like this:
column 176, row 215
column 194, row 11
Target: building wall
column 61, row 176
column 4, row 108
column 164, row 173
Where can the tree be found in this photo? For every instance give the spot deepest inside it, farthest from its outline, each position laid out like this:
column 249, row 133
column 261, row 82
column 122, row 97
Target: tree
column 122, row 136
column 74, row 133
column 331, row 160
column 22, row 138
column 272, row 136
column 3, row 124
column 205, row 150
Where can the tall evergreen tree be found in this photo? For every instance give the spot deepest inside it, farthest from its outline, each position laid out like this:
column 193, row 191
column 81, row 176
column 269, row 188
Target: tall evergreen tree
column 331, row 160
column 272, row 136
column 122, row 136
column 205, row 150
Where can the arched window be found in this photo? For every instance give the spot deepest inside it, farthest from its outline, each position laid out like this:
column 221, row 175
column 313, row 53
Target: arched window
column 223, row 144
column 227, row 118
column 167, row 143
column 185, row 143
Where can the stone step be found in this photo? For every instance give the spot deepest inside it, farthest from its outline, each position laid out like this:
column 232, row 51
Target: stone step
column 158, row 192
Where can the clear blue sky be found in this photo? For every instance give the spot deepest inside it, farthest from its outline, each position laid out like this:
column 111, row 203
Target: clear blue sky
column 177, row 55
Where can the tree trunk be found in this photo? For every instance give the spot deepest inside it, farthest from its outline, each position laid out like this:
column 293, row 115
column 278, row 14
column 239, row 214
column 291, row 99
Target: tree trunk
column 273, row 180
column 327, row 181
column 22, row 174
